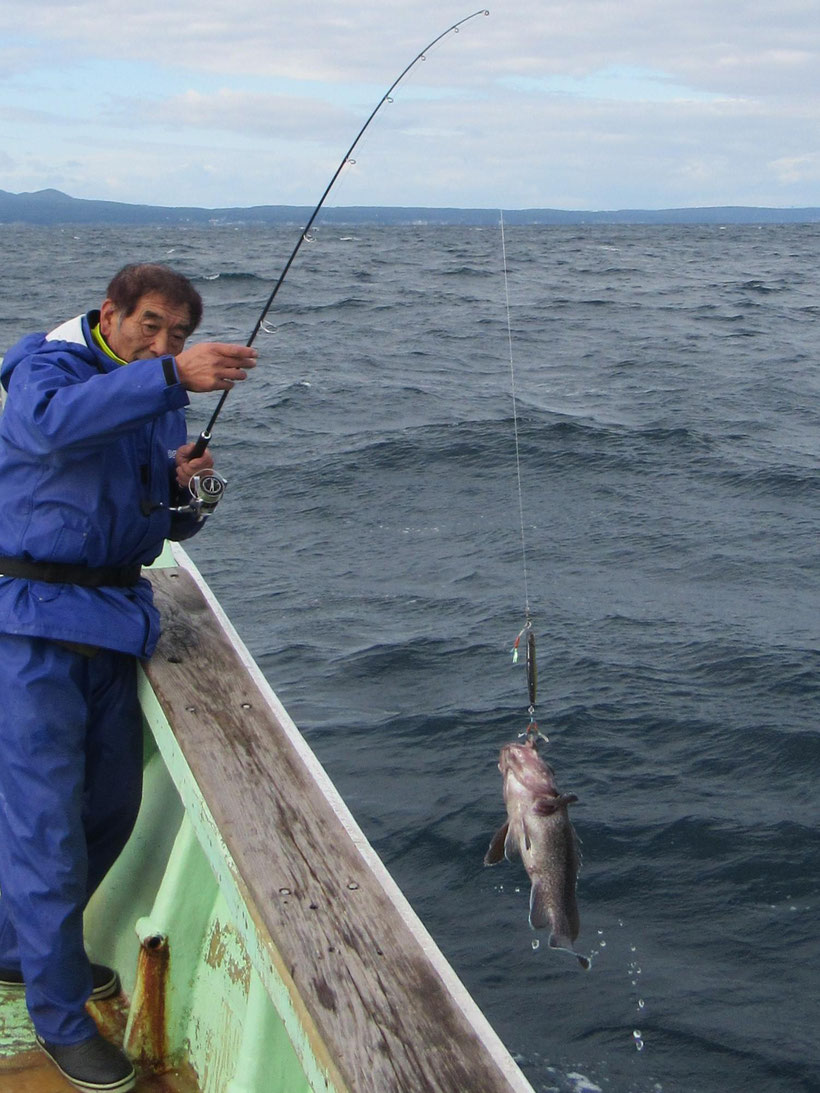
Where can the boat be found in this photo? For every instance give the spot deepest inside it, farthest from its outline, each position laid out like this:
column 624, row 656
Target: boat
column 262, row 944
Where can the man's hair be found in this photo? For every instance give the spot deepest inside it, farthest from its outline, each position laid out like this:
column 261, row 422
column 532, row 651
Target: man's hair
column 135, row 280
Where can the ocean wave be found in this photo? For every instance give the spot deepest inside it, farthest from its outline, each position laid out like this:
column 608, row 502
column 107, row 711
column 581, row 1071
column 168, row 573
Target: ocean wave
column 778, row 481
column 234, row 277
column 546, row 441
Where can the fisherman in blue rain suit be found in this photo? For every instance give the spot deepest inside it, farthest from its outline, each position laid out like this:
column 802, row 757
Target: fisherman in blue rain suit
column 93, row 458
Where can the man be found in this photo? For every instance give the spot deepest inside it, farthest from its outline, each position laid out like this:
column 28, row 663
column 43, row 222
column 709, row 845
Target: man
column 93, row 459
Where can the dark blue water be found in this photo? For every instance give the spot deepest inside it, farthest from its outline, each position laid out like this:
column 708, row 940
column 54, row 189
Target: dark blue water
column 369, row 552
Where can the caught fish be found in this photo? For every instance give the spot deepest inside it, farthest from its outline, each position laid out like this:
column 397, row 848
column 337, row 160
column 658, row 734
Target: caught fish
column 539, row 829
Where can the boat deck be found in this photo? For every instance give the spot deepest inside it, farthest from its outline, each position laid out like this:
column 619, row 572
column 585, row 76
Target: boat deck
column 25, row 1069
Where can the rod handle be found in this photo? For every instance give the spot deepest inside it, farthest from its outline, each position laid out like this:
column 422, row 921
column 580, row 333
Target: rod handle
column 201, row 445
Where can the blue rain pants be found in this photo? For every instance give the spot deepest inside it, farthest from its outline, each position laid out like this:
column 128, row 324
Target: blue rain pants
column 70, row 790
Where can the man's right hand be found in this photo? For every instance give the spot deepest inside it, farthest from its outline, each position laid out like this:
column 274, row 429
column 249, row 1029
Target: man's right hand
column 214, row 366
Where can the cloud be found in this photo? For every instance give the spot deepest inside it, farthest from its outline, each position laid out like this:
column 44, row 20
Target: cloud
column 797, row 169
column 591, row 102
column 239, row 112
column 614, row 84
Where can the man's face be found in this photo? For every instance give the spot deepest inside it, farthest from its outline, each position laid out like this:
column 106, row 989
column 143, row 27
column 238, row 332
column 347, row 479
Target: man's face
column 155, row 328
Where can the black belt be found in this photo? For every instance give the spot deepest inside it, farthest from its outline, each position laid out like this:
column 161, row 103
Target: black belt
column 117, row 576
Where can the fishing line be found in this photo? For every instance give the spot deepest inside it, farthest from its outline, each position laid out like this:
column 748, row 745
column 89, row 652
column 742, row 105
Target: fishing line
column 205, row 435
column 527, row 633
column 515, row 420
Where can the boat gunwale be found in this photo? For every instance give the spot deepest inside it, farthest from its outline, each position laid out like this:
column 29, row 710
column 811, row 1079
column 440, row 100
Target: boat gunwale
column 476, row 1045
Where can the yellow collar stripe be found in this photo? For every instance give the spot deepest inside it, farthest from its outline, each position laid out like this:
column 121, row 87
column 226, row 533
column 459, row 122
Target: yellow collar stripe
column 103, row 344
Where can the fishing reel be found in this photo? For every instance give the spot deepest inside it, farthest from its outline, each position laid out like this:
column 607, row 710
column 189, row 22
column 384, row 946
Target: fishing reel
column 206, row 490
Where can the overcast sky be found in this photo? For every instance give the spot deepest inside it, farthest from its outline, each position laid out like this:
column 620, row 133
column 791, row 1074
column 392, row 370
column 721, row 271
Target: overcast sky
column 591, row 104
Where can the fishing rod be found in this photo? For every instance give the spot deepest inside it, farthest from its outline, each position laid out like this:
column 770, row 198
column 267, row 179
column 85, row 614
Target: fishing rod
column 205, row 435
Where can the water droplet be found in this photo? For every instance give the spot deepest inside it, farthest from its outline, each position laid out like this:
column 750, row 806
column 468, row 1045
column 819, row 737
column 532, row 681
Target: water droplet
column 535, row 944
column 641, row 1003
column 352, row 886
column 637, row 1036
column 284, row 891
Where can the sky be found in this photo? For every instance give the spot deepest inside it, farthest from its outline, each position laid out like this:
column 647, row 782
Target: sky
column 591, row 104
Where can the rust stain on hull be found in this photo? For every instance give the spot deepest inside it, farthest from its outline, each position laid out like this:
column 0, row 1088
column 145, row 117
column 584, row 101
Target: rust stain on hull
column 148, row 1043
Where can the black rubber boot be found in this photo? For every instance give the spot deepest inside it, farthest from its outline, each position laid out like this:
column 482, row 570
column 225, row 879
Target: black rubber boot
column 94, row 1066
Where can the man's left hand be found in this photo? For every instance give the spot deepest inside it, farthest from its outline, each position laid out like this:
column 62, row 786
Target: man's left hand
column 187, row 468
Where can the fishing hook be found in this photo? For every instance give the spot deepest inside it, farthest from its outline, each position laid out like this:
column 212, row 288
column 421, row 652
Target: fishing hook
column 205, row 435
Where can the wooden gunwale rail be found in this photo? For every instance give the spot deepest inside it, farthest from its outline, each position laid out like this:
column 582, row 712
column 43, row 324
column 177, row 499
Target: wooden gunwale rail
column 369, row 995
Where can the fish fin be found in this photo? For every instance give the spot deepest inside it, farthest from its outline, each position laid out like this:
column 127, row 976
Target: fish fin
column 511, row 847
column 545, row 806
column 495, row 851
column 539, row 912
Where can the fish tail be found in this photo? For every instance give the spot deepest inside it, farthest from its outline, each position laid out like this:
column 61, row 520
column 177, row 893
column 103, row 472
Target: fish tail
column 560, row 941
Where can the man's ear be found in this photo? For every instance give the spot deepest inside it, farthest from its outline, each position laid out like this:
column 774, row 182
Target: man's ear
column 108, row 315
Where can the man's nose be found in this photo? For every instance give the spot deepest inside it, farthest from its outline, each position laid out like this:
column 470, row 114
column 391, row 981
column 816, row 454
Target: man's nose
column 160, row 343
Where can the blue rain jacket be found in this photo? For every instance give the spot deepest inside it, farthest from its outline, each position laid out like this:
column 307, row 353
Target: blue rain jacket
column 87, row 452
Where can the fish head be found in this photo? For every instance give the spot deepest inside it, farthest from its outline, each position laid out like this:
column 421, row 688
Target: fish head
column 523, row 770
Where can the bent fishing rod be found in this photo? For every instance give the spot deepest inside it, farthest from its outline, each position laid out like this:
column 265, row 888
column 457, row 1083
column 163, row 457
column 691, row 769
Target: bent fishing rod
column 205, row 435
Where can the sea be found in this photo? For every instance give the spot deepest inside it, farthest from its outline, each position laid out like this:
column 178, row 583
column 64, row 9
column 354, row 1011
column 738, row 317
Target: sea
column 613, row 431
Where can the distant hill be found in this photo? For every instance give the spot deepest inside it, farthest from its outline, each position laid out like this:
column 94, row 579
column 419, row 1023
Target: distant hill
column 54, row 207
